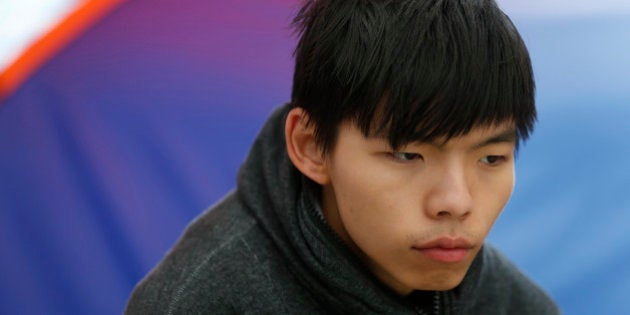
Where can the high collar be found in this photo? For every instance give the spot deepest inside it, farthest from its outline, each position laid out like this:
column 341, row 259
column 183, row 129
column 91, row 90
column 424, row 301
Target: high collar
column 284, row 204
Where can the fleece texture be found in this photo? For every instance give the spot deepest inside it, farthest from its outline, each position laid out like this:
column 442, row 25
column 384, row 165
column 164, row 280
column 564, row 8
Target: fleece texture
column 265, row 249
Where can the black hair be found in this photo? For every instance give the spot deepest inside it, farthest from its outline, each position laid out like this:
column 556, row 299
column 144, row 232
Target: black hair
column 413, row 70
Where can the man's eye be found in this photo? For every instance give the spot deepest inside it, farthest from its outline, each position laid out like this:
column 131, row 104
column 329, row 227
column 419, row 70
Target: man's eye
column 406, row 156
column 492, row 159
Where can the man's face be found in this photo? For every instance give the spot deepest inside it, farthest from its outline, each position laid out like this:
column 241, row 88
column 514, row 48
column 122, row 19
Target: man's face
column 419, row 215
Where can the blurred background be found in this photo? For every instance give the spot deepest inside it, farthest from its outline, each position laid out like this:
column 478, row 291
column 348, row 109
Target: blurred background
column 120, row 121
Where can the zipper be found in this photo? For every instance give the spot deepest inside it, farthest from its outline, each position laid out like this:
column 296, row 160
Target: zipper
column 444, row 303
column 436, row 303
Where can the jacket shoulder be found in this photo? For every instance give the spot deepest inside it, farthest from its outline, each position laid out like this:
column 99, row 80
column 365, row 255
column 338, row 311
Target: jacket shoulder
column 505, row 289
column 220, row 262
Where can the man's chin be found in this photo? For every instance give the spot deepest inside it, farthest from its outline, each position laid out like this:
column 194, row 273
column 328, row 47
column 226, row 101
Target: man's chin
column 440, row 281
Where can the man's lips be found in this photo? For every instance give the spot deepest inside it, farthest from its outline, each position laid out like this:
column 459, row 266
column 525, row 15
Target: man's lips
column 445, row 249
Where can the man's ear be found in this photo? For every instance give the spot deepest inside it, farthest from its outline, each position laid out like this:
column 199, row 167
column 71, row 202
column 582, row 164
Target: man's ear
column 303, row 150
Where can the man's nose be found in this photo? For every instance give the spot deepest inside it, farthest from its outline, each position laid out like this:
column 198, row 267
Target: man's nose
column 449, row 196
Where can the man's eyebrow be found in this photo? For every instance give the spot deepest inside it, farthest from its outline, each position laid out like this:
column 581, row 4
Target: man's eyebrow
column 507, row 136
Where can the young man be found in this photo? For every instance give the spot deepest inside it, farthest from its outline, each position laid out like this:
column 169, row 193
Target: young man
column 374, row 189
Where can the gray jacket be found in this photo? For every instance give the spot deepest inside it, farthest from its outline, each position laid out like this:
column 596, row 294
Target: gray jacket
column 264, row 249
